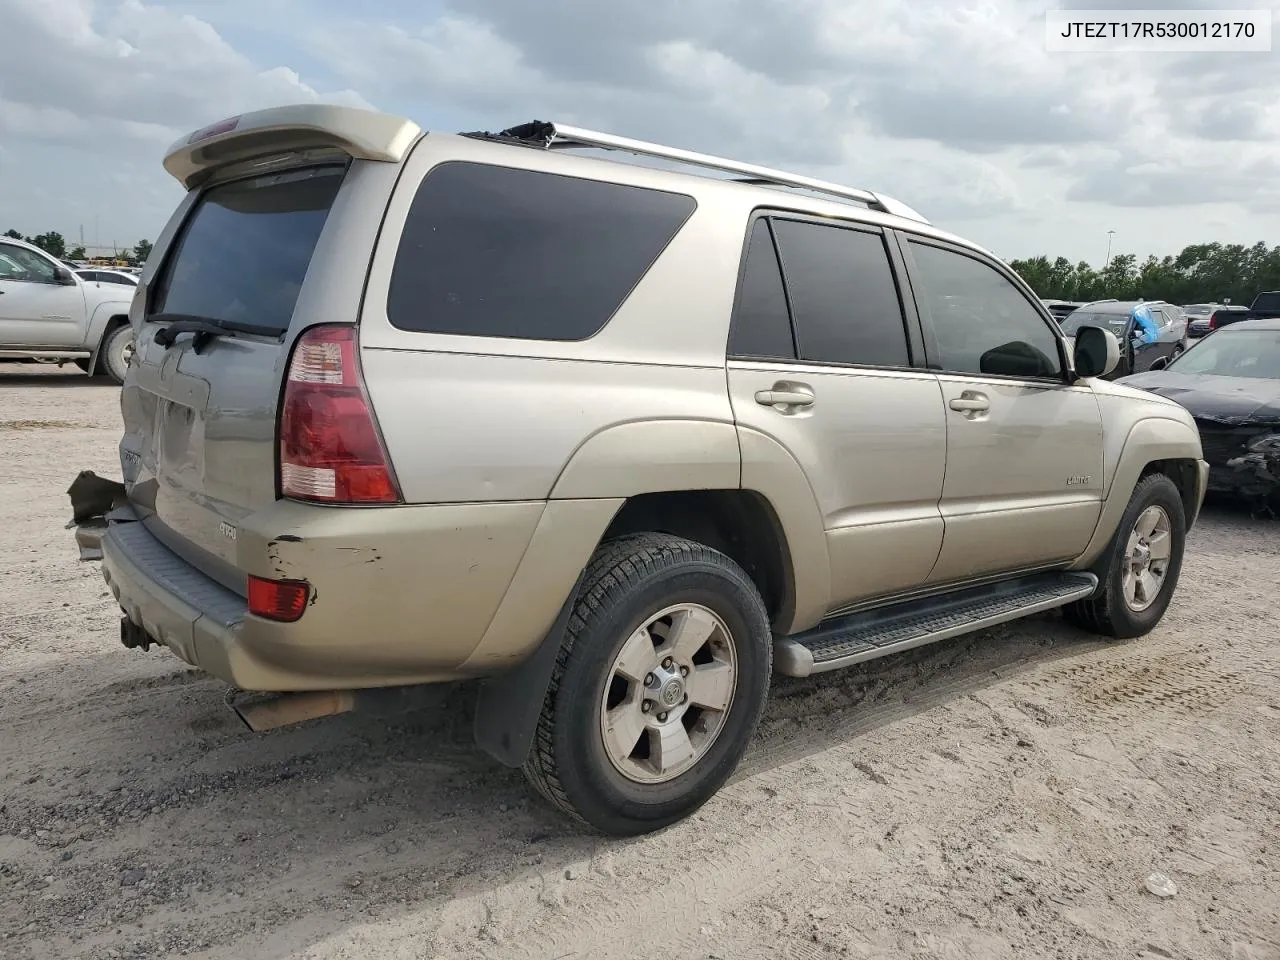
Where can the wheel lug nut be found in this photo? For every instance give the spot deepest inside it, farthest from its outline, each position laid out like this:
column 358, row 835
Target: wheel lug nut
column 646, row 707
column 684, row 671
column 686, row 699
column 662, row 718
column 666, row 664
column 648, row 680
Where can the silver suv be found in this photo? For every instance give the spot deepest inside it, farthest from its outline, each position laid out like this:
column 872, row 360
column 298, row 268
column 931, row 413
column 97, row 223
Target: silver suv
column 616, row 441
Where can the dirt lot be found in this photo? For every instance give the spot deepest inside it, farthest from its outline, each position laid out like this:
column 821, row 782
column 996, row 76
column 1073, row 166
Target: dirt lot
column 1005, row 795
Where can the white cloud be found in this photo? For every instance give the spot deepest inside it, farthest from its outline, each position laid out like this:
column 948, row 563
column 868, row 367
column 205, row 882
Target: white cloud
column 953, row 105
column 92, row 92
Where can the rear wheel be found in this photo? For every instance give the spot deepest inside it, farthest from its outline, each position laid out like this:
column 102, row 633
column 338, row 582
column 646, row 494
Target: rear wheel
column 117, row 349
column 1139, row 570
column 658, row 688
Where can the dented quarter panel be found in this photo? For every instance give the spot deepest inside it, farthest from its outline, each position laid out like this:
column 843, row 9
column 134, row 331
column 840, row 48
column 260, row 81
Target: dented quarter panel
column 394, row 589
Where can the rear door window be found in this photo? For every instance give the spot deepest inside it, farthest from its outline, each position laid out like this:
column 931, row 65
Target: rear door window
column 761, row 324
column 843, row 296
column 502, row 252
column 245, row 248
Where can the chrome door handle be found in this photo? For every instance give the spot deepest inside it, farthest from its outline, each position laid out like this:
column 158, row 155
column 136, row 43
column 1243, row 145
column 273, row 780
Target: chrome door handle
column 791, row 397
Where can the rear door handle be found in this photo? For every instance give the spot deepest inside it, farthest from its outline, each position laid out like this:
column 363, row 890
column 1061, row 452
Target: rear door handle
column 785, row 395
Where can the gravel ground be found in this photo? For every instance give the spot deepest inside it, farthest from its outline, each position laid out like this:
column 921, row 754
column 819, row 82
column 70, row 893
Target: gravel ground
column 1005, row 795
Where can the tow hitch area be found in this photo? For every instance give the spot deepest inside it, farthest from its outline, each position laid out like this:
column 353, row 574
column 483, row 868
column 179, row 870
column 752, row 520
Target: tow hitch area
column 132, row 635
column 93, row 498
column 267, row 711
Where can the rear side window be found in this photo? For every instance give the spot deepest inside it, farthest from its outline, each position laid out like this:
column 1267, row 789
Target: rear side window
column 843, row 296
column 246, row 246
column 500, row 252
column 761, row 325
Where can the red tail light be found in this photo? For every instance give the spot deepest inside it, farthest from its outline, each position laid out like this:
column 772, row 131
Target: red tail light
column 284, row 600
column 330, row 448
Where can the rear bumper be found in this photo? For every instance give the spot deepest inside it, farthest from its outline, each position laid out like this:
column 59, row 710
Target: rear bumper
column 399, row 595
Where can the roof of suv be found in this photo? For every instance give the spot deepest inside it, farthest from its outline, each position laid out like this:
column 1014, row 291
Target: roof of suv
column 374, row 136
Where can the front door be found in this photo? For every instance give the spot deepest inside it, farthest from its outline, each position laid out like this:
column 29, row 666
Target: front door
column 820, row 363
column 36, row 311
column 1024, row 481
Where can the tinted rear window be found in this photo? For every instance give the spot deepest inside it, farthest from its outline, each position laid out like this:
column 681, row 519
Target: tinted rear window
column 245, row 249
column 499, row 252
column 843, row 295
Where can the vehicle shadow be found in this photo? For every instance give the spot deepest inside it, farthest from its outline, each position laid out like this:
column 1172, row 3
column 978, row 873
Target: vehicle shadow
column 313, row 826
column 47, row 375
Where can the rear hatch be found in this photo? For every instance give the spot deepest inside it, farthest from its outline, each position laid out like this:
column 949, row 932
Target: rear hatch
column 199, row 450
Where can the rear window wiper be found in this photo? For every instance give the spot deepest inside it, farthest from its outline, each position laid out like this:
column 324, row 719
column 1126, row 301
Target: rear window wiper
column 203, row 328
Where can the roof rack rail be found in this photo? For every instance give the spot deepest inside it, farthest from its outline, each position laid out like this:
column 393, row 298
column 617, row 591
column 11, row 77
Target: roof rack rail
column 559, row 136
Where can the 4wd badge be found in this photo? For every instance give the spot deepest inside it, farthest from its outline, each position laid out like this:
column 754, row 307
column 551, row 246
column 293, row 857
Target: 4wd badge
column 227, row 530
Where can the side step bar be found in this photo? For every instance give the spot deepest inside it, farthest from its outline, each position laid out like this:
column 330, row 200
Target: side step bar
column 846, row 640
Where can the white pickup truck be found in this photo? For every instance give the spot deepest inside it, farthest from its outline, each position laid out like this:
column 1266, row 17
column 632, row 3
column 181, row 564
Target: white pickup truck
column 49, row 314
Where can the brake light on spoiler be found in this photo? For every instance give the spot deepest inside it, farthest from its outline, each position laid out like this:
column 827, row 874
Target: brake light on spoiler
column 331, row 450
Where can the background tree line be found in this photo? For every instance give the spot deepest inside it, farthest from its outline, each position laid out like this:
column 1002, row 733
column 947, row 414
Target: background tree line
column 55, row 244
column 1201, row 273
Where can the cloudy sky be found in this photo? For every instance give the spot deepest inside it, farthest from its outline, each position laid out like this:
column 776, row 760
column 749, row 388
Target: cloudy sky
column 950, row 105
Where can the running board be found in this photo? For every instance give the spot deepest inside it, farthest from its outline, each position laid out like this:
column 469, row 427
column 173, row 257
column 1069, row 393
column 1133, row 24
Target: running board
column 846, row 640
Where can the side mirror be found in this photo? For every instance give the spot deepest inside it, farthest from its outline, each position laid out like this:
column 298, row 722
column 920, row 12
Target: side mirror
column 1159, row 363
column 1096, row 352
column 64, row 276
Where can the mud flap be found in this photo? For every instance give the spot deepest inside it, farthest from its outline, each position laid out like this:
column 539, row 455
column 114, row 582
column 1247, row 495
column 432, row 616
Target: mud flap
column 95, row 502
column 509, row 704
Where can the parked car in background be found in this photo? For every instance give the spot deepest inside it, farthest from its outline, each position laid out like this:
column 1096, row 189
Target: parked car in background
column 413, row 407
column 1118, row 317
column 1230, row 382
column 1265, row 306
column 1061, row 308
column 120, row 277
column 49, row 314
column 1198, row 315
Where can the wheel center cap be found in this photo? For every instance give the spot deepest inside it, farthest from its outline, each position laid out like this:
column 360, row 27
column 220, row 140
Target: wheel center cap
column 671, row 693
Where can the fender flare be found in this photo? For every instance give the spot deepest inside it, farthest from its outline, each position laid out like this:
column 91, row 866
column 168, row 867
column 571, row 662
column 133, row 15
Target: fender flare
column 1149, row 440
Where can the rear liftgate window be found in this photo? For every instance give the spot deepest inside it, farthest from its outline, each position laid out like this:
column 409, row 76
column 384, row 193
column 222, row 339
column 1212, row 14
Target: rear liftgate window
column 245, row 249
column 499, row 252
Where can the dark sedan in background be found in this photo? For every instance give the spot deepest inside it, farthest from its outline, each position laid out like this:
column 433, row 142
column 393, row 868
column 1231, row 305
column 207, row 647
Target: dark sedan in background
column 1230, row 382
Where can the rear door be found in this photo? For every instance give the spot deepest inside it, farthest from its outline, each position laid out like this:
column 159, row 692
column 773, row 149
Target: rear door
column 824, row 366
column 199, row 450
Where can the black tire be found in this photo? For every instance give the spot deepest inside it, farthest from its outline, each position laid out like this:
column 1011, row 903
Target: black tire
column 1106, row 612
column 112, row 360
column 628, row 581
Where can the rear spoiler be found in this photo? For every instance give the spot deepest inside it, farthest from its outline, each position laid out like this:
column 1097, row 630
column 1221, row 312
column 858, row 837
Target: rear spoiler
column 363, row 134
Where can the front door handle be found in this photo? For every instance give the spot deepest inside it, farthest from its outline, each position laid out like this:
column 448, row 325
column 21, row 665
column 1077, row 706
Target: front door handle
column 970, row 403
column 785, row 395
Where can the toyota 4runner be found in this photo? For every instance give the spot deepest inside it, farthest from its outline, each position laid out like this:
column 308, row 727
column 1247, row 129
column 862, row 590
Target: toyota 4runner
column 616, row 441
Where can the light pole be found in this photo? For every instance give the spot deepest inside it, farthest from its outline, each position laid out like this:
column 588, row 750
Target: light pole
column 1110, row 234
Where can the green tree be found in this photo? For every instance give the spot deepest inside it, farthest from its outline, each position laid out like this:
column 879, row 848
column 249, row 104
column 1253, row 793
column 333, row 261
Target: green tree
column 77, row 253
column 141, row 251
column 51, row 242
column 13, row 233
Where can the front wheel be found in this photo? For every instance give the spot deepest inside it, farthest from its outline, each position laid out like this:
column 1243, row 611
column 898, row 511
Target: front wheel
column 659, row 685
column 1139, row 570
